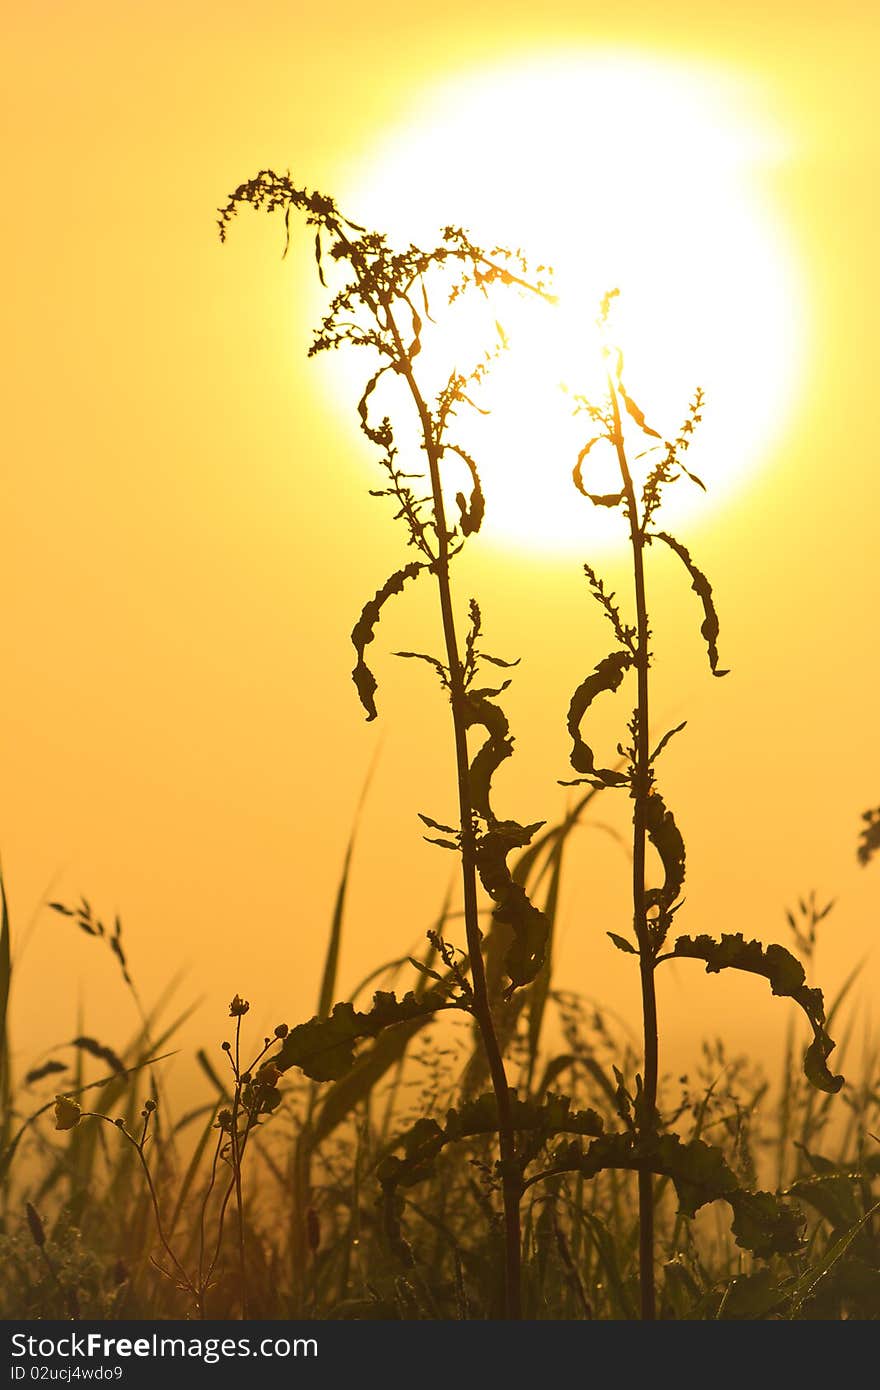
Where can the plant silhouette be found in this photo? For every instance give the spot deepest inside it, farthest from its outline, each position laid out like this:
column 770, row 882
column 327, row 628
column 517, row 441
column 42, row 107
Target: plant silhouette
column 382, row 305
column 654, row 908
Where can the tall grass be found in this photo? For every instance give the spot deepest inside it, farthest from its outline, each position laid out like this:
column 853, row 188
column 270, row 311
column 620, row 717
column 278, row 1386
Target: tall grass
column 323, row 1245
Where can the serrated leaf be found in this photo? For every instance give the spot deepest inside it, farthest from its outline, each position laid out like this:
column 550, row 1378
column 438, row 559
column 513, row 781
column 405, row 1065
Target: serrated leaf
column 787, row 978
column 699, row 583
column 364, row 631
column 425, row 1140
column 700, row 1174
column 324, row 1048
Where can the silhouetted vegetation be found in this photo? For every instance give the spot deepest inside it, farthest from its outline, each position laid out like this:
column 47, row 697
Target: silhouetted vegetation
column 477, row 1140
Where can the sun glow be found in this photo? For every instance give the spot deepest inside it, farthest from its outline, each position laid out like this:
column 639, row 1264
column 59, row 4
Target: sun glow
column 618, row 172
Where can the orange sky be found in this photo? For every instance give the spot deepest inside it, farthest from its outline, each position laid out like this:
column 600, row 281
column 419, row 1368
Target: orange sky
column 186, row 539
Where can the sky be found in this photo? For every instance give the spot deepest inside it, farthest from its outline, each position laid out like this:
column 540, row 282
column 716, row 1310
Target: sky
column 187, row 536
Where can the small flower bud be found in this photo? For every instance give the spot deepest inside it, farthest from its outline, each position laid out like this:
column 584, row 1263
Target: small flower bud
column 238, row 1007
column 282, row 1030
column 67, row 1113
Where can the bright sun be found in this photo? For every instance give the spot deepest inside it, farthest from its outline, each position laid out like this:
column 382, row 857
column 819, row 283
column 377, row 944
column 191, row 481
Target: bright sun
column 619, row 172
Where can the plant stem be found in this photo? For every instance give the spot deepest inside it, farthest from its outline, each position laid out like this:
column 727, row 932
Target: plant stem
column 647, row 1119
column 235, row 1154
column 482, row 1008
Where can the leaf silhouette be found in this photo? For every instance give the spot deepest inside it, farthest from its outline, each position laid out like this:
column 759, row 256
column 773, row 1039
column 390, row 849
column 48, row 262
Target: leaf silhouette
column 666, row 838
column 700, row 1174
column 513, row 908
column 869, row 842
column 638, row 415
column 787, row 978
column 426, row 1138
column 324, row 1048
column 607, row 676
column 470, row 513
column 700, row 584
column 364, row 631
column 622, row 944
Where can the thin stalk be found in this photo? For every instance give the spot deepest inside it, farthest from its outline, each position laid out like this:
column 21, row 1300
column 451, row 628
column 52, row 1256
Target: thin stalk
column 641, row 792
column 236, row 1155
column 482, row 1008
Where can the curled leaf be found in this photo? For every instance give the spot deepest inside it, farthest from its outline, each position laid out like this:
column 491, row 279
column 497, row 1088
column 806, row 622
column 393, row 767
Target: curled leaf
column 701, row 586
column 607, row 676
column 666, row 838
column 513, row 908
column 787, row 979
column 363, row 633
column 471, row 512
column 599, row 499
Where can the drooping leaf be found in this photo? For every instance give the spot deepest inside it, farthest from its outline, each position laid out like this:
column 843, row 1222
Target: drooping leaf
column 700, row 1174
column 832, row 1195
column 666, row 838
column 426, row 1138
column 513, row 907
column 363, row 633
column 471, row 512
column 636, row 414
column 607, row 676
column 787, row 978
column 699, row 583
column 324, row 1048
